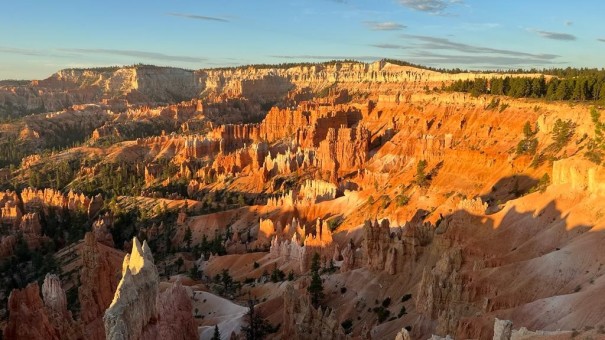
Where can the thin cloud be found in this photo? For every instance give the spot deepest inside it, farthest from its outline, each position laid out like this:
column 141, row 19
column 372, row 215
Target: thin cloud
column 135, row 53
column 388, row 46
column 21, row 51
column 384, row 26
column 429, row 6
column 326, row 57
column 498, row 61
column 197, row 17
column 436, row 43
column 557, row 35
column 568, row 23
column 601, row 39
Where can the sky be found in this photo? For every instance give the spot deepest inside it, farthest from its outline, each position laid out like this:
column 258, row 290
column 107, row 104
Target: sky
column 38, row 38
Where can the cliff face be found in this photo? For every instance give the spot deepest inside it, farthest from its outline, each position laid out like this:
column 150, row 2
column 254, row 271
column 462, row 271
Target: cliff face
column 99, row 280
column 144, row 84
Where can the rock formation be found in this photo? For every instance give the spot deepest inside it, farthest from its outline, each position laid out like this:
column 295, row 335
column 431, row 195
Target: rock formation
column 98, row 282
column 300, row 247
column 403, row 335
column 133, row 306
column 302, row 321
column 502, row 329
column 25, row 305
column 101, row 227
column 47, row 199
column 139, row 312
column 33, row 317
column 175, row 314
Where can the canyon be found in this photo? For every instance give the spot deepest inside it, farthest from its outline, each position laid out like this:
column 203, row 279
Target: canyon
column 222, row 198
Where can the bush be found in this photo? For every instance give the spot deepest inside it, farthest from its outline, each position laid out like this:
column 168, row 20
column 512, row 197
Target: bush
column 347, row 325
column 406, row 297
column 402, row 200
column 382, row 313
column 402, row 312
column 386, row 302
column 542, row 184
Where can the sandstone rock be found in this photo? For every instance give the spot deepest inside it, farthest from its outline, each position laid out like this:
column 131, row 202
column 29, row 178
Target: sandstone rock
column 502, row 329
column 7, row 245
column 134, row 303
column 175, row 314
column 43, row 200
column 55, row 302
column 10, row 214
column 101, row 227
column 95, row 205
column 315, row 191
column 403, row 335
column 28, row 319
column 98, row 281
column 302, row 321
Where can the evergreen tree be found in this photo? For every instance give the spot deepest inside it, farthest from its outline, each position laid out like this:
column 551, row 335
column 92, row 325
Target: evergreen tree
column 420, row 173
column 257, row 327
column 187, row 238
column 316, row 287
column 217, row 333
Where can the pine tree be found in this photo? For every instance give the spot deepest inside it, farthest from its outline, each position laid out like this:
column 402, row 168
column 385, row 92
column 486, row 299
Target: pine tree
column 217, row 333
column 257, row 327
column 316, row 287
column 187, row 238
column 420, row 174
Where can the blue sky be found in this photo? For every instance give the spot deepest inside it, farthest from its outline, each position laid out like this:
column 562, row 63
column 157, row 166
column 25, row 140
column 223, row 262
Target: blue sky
column 41, row 37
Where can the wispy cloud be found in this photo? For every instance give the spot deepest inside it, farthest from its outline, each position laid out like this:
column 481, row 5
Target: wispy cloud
column 492, row 60
column 556, row 35
column 21, row 51
column 601, row 39
column 568, row 22
column 437, row 43
column 134, row 53
column 326, row 57
column 429, row 6
column 384, row 26
column 197, row 17
column 388, row 46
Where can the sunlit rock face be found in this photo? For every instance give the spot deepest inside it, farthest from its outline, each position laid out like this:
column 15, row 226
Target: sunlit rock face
column 134, row 303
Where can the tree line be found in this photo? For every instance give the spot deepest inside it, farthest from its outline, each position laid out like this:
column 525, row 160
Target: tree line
column 585, row 87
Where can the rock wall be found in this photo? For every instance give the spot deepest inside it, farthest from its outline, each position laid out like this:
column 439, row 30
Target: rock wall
column 98, row 282
column 145, row 84
column 580, row 175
